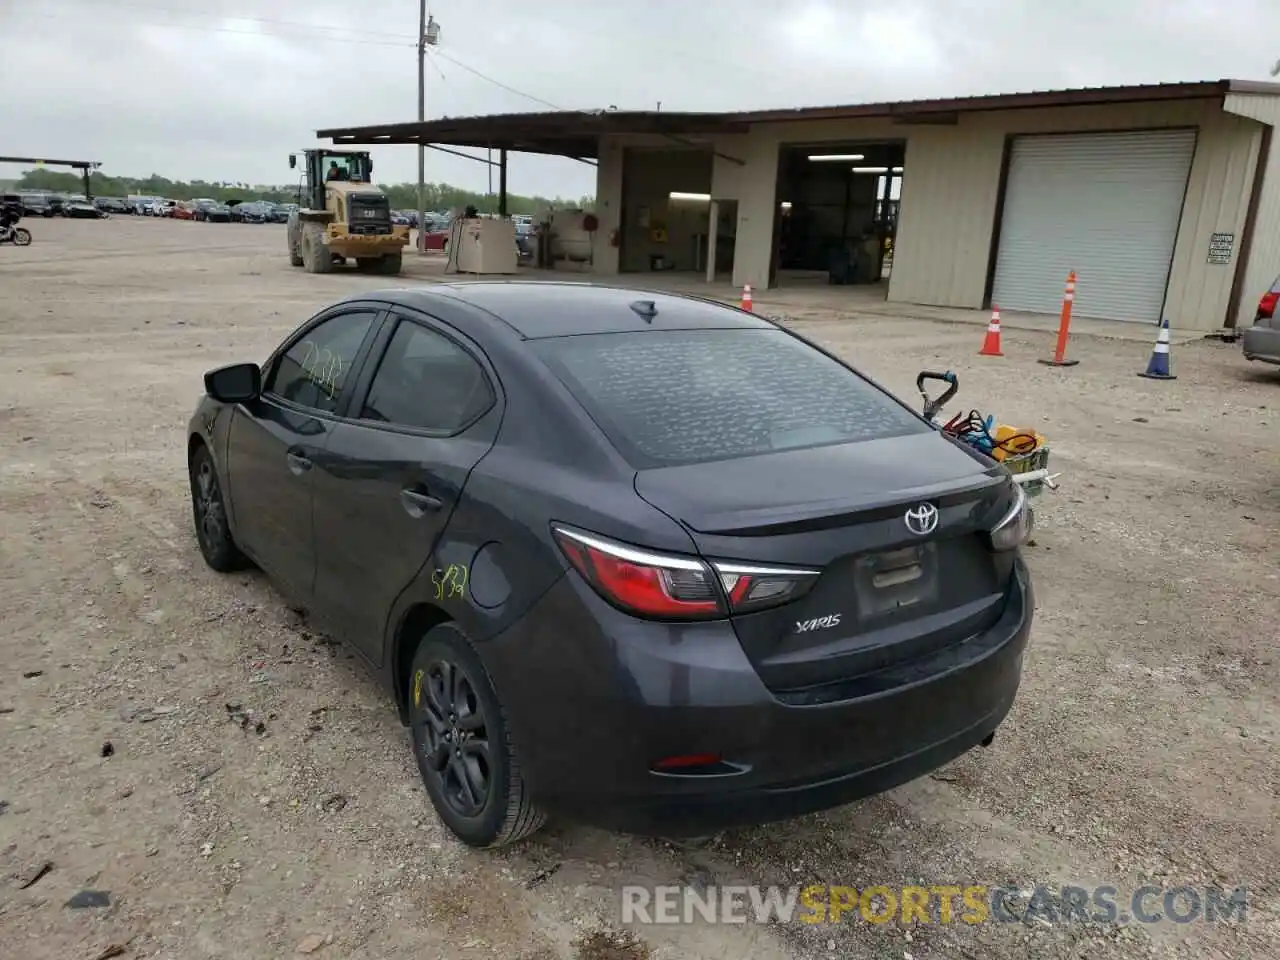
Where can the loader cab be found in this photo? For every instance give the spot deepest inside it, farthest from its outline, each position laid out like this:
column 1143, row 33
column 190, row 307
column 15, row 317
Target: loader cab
column 325, row 165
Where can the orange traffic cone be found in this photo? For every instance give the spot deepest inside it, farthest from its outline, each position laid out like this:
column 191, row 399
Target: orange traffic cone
column 991, row 344
column 746, row 298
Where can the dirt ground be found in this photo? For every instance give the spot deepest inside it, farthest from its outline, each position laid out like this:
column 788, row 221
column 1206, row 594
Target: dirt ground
column 233, row 785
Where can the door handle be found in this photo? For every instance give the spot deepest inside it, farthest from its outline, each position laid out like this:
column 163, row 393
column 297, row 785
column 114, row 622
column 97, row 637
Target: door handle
column 298, row 464
column 417, row 503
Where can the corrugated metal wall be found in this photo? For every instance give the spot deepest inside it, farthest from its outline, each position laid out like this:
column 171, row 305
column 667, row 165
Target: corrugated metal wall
column 1263, row 265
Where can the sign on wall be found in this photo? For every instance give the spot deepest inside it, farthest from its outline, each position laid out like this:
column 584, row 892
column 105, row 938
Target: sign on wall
column 1221, row 246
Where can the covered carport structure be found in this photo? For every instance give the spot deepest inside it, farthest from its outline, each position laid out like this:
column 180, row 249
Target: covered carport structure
column 84, row 166
column 578, row 135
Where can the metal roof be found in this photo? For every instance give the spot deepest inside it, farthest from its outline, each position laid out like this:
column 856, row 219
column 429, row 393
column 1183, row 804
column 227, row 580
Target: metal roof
column 571, row 133
column 575, row 133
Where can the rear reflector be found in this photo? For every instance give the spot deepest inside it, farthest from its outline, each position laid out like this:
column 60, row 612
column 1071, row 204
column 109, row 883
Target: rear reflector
column 686, row 762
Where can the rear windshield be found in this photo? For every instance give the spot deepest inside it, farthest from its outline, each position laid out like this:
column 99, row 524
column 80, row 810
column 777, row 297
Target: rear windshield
column 666, row 398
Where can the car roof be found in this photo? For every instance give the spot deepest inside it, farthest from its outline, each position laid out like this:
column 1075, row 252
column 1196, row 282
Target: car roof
column 540, row 309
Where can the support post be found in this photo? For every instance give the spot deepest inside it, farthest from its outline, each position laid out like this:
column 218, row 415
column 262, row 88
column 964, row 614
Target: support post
column 713, row 231
column 88, row 196
column 502, row 181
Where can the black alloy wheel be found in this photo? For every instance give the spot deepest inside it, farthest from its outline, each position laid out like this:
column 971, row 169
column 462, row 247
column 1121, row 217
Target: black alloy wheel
column 454, row 736
column 210, row 514
column 462, row 744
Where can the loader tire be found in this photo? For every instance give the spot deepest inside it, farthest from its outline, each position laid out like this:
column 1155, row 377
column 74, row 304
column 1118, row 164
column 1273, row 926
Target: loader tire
column 389, row 266
column 315, row 255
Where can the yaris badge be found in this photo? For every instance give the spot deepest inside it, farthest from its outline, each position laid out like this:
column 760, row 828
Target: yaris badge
column 922, row 519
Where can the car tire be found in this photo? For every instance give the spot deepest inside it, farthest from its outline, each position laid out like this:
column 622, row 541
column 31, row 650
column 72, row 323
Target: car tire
column 315, row 255
column 209, row 512
column 463, row 746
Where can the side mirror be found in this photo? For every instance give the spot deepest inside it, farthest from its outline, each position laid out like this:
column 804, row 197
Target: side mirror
column 237, row 383
column 293, row 161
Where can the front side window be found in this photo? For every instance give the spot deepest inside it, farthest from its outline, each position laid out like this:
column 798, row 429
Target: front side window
column 428, row 382
column 313, row 372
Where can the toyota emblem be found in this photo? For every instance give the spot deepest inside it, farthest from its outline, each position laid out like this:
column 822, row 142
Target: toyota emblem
column 922, row 519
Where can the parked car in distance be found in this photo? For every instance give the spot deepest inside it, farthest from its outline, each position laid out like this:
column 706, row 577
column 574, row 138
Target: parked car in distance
column 183, row 210
column 206, row 210
column 646, row 561
column 111, row 204
column 249, row 212
column 526, row 240
column 1261, row 341
column 82, row 211
column 401, row 219
column 161, row 208
column 437, row 236
column 280, row 212
column 37, row 205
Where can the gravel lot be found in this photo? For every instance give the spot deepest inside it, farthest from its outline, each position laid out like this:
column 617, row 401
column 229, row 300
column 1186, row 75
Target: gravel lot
column 259, row 795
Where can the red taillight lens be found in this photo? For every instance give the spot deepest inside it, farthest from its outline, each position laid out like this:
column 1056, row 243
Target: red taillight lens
column 1267, row 305
column 644, row 583
column 673, row 587
column 750, row 587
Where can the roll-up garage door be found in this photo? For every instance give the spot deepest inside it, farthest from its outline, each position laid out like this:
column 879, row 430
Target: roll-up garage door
column 1105, row 205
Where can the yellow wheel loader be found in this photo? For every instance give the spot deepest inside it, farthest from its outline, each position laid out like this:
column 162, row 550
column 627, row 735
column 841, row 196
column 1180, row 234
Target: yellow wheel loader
column 341, row 215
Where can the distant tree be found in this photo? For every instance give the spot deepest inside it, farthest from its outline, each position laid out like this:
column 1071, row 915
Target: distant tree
column 403, row 196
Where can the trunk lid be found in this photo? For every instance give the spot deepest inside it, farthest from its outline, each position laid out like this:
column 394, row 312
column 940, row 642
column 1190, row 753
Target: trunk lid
column 886, row 595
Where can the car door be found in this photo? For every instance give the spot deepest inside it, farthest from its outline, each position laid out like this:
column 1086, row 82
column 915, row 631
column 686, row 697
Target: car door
column 392, row 471
column 273, row 442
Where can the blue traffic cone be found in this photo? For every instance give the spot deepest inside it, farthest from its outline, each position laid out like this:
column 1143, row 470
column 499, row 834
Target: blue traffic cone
column 1158, row 365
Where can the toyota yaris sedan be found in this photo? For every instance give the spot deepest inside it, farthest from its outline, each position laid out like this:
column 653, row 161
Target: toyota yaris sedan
column 644, row 561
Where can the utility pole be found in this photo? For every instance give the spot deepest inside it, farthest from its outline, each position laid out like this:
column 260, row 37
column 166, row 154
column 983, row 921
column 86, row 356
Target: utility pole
column 428, row 36
column 422, row 117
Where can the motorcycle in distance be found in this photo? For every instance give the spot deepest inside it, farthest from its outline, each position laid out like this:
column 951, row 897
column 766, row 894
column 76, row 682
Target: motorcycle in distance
column 18, row 236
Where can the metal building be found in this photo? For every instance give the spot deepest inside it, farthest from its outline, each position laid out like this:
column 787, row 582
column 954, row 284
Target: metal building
column 1165, row 199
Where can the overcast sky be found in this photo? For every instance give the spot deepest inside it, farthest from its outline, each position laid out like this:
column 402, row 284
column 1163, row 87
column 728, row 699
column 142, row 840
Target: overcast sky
column 225, row 89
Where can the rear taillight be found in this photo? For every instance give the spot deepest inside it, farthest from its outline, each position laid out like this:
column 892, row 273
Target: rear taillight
column 751, row 587
column 1267, row 305
column 674, row 587
column 1015, row 526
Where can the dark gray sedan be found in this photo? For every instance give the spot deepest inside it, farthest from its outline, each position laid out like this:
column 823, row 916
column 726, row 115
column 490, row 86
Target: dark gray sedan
column 646, row 561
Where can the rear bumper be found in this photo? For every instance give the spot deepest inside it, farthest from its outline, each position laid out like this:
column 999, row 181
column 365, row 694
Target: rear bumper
column 1262, row 344
column 592, row 709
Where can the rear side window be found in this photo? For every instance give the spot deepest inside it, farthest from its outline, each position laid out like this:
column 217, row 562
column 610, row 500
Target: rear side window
column 666, row 398
column 428, row 382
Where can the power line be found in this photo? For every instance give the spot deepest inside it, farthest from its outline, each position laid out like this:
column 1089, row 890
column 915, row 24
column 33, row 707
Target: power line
column 497, row 83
